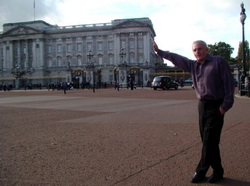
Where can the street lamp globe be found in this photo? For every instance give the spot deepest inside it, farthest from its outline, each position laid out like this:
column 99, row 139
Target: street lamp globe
column 242, row 14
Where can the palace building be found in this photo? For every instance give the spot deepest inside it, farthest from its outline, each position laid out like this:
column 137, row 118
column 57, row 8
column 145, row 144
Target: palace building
column 37, row 52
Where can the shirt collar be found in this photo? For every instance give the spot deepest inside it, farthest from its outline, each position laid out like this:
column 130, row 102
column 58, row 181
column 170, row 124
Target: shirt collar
column 207, row 59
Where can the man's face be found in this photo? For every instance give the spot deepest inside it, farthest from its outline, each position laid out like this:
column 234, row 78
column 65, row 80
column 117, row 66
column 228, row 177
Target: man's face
column 200, row 51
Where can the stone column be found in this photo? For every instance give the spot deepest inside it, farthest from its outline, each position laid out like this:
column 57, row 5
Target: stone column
column 9, row 57
column 41, row 54
column 117, row 48
column 27, row 55
column 136, row 50
column 33, row 49
column 146, row 46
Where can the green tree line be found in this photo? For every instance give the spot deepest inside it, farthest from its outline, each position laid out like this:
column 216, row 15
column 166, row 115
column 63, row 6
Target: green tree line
column 225, row 50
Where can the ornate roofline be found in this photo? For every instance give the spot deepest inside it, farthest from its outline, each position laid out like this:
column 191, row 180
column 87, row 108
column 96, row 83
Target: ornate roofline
column 44, row 27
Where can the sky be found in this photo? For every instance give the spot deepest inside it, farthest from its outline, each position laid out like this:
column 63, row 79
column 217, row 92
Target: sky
column 177, row 23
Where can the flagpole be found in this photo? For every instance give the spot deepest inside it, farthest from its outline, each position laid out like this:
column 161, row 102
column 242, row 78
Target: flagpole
column 34, row 6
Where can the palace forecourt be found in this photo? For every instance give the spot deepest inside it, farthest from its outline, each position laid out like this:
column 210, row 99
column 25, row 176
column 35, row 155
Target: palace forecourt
column 127, row 137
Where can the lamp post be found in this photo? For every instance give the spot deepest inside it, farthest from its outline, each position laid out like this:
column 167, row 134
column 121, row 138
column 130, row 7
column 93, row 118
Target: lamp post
column 242, row 20
column 141, row 77
column 93, row 67
column 126, row 67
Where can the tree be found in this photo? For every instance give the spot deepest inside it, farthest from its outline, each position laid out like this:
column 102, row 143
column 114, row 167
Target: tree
column 239, row 57
column 222, row 49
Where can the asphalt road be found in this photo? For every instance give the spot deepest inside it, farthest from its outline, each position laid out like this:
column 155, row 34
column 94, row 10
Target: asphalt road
column 129, row 137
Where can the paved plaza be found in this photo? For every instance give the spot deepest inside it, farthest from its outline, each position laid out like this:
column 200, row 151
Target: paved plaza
column 135, row 137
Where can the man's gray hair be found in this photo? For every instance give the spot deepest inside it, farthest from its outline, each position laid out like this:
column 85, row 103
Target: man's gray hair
column 201, row 41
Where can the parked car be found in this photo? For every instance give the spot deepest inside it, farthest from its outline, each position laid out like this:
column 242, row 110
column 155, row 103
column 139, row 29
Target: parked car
column 164, row 82
column 188, row 81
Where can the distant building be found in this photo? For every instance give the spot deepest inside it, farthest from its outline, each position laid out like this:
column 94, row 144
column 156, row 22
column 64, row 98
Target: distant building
column 40, row 53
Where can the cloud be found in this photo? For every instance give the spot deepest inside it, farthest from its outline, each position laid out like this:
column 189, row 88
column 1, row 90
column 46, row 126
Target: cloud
column 23, row 10
column 177, row 23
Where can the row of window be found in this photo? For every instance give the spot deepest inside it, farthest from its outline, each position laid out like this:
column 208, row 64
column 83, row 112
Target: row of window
column 79, row 47
column 81, row 61
column 89, row 46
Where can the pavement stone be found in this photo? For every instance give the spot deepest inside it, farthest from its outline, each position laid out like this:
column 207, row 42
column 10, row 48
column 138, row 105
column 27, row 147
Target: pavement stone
column 127, row 137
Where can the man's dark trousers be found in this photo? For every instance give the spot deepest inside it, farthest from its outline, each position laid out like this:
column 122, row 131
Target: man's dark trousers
column 210, row 123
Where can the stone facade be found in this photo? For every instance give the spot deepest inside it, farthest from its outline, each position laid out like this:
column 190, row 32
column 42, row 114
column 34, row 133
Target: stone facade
column 40, row 53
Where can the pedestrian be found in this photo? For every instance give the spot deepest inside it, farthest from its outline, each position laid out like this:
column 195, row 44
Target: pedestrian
column 131, row 84
column 4, row 87
column 246, row 82
column 64, row 84
column 214, row 87
column 181, row 82
column 118, row 86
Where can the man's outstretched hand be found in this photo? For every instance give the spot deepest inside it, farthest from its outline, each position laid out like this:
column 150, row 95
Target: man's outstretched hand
column 155, row 46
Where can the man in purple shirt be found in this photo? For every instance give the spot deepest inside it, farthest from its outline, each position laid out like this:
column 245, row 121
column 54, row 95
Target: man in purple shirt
column 214, row 87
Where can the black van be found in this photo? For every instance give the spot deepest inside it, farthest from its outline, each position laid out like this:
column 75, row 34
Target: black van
column 164, row 82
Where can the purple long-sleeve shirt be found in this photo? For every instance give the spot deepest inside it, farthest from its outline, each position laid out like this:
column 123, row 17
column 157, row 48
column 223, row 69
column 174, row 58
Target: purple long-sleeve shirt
column 212, row 79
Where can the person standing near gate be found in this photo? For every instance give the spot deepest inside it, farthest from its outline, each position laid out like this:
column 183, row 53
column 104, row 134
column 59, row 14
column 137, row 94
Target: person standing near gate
column 214, row 87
